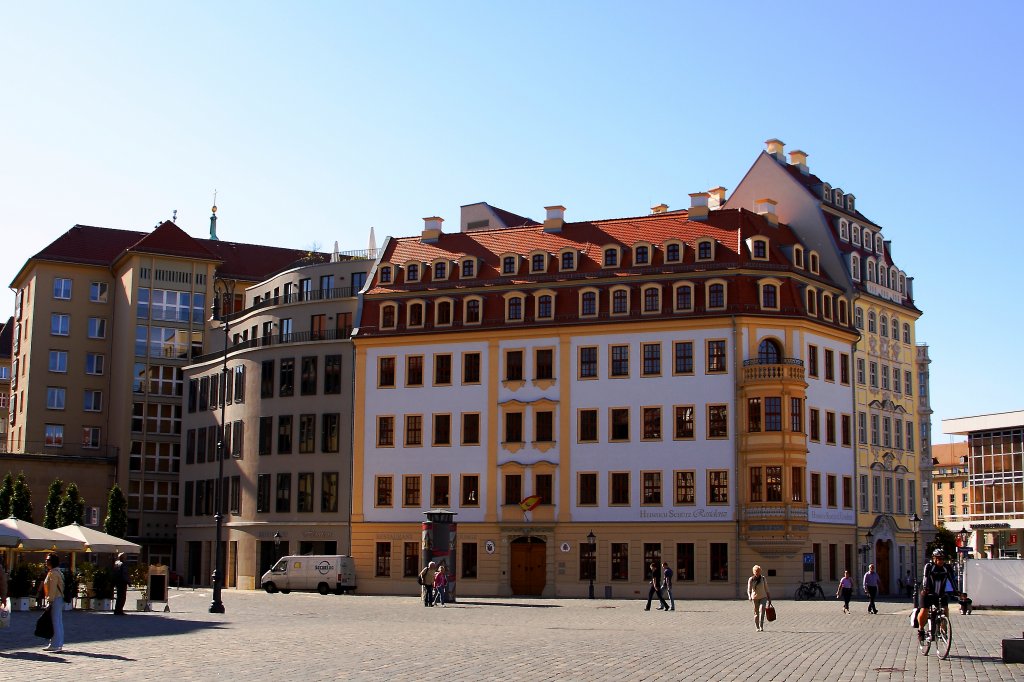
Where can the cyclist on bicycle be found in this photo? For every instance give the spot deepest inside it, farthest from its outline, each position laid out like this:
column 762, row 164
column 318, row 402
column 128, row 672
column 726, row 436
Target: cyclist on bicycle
column 939, row 585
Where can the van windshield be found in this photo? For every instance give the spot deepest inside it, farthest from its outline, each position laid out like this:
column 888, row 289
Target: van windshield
column 280, row 567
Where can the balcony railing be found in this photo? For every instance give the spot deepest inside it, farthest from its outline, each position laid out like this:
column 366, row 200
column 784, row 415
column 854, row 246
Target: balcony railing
column 791, row 369
column 296, row 297
column 278, row 340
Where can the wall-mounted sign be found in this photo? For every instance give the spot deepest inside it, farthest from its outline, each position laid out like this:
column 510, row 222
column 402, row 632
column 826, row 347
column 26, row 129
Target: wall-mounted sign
column 489, row 546
column 566, row 547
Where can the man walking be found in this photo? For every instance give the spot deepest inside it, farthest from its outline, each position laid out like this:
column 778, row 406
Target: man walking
column 427, row 581
column 120, row 584
column 655, row 589
column 871, row 583
column 666, row 585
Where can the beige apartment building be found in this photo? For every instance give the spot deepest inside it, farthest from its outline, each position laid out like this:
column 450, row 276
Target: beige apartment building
column 105, row 322
column 951, row 492
column 284, row 388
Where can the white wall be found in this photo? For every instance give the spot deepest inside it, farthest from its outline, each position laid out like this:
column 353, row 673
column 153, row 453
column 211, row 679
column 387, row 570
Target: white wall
column 995, row 582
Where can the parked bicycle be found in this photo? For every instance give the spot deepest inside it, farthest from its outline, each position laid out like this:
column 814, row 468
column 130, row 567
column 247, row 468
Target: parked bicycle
column 809, row 590
column 939, row 630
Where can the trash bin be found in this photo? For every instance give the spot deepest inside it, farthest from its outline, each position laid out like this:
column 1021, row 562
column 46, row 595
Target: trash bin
column 607, row 591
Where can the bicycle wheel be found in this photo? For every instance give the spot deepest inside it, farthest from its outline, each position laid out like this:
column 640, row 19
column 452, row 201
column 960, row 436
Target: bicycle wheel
column 924, row 645
column 801, row 593
column 943, row 636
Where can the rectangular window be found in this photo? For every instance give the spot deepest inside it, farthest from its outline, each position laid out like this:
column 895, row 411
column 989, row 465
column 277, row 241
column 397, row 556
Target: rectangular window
column 754, row 415
column 716, row 357
column 62, row 288
column 588, row 561
column 55, row 398
column 652, row 423
column 442, row 429
column 382, row 560
column 619, row 424
column 587, row 491
column 386, row 372
column 651, row 487
column 873, row 374
column 470, row 428
column 440, row 489
column 683, row 357
column 543, row 487
column 98, row 292
column 513, row 427
column 60, row 324
column 469, row 564
column 284, row 494
column 685, row 488
column 544, row 364
column 470, row 490
column 847, row 430
column 718, row 421
column 620, row 361
column 875, row 439
column 267, row 379
column 284, row 434
column 830, row 370
column 815, row 433
column 442, row 370
column 844, row 369
column 309, row 376
column 860, row 371
column 307, row 433
column 619, row 488
column 304, row 501
column 684, row 561
column 92, row 401
column 513, row 489
column 588, row 362
column 812, row 361
column 471, row 368
column 94, row 363
column 773, row 414
column 876, row 493
column 831, row 491
column 847, row 492
column 413, row 429
column 652, row 359
column 262, row 493
column 514, row 365
column 620, row 560
column 266, row 435
column 830, row 428
column 588, row 426
column 684, row 422
column 719, row 555
column 385, row 491
column 718, row 487
column 885, row 377
column 544, row 426
column 332, row 375
column 410, row 491
column 796, row 415
column 864, row 492
column 815, row 489
column 287, row 377
column 385, row 431
column 773, row 484
column 97, row 328
column 329, row 432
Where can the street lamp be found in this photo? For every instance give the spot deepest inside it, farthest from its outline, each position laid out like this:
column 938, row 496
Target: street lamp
column 964, row 535
column 591, row 543
column 224, row 291
column 915, row 525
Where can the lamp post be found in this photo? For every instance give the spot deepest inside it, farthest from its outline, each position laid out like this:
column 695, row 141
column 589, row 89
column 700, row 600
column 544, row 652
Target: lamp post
column 592, row 544
column 964, row 535
column 224, row 290
column 915, row 525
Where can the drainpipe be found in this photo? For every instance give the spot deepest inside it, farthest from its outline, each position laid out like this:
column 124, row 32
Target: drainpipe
column 736, row 366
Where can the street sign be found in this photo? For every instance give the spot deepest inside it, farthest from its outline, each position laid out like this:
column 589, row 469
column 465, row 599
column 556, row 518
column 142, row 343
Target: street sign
column 809, row 562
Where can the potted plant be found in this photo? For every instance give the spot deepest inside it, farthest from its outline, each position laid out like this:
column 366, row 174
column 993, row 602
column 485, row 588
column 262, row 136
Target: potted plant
column 19, row 587
column 139, row 581
column 103, row 589
column 84, row 578
column 70, row 589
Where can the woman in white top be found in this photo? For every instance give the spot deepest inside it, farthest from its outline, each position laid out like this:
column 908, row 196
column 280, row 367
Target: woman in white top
column 846, row 590
column 757, row 592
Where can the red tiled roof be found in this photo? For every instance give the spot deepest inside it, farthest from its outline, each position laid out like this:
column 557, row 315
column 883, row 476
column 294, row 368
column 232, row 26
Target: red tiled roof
column 170, row 240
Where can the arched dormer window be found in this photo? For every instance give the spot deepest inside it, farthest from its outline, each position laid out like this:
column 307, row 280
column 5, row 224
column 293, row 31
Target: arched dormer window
column 443, row 312
column 813, row 262
column 388, row 315
column 850, row 203
column 858, row 318
column 414, row 314
column 642, row 254
column 509, row 264
column 844, row 230
column 544, row 302
column 611, row 257
column 538, row 262
column 473, row 311
column 673, row 252
column 468, row 268
column 705, row 249
column 855, row 267
column 893, row 275
column 769, row 352
column 588, row 303
column 715, row 293
column 867, row 239
column 871, row 270
column 903, row 284
column 798, row 256
column 440, row 270
column 385, row 274
column 826, row 305
column 514, row 307
column 412, row 272
column 883, row 275
column 855, row 234
column 878, row 244
column 837, row 197
column 620, row 300
column 567, row 260
column 759, row 248
column 769, row 294
column 682, row 294
column 652, row 299
column 812, row 301
column 872, row 322
column 826, row 192
column 844, row 312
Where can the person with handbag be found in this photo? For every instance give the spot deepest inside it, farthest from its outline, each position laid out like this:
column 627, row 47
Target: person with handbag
column 440, row 585
column 758, row 594
column 53, row 589
column 426, row 580
column 846, row 590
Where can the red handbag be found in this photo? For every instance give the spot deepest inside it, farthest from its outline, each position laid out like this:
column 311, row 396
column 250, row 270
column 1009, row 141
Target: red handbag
column 769, row 612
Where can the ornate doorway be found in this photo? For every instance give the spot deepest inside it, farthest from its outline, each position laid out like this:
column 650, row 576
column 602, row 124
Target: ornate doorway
column 883, row 565
column 528, row 573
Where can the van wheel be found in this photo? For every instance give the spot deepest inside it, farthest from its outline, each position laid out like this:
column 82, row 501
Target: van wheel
column 271, row 588
column 285, row 591
column 322, row 588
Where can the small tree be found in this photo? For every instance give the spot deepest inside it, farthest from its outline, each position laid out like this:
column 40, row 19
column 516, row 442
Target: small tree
column 116, row 523
column 72, row 507
column 6, row 492
column 53, row 504
column 21, row 500
column 945, row 540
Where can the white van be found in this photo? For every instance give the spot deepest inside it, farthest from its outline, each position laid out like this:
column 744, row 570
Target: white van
column 323, row 573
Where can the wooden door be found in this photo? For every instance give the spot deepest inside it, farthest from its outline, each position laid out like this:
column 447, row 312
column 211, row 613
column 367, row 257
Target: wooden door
column 528, row 566
column 882, row 566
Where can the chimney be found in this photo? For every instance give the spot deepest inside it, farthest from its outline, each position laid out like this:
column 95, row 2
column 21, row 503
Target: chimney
column 799, row 159
column 717, row 198
column 766, row 207
column 660, row 208
column 555, row 218
column 699, row 206
column 775, row 147
column 431, row 229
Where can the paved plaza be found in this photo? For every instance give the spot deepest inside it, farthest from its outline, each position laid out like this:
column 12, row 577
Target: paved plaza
column 311, row 637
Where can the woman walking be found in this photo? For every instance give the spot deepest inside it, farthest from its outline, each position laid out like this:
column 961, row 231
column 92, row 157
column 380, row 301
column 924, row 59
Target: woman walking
column 846, row 590
column 440, row 585
column 53, row 590
column 758, row 594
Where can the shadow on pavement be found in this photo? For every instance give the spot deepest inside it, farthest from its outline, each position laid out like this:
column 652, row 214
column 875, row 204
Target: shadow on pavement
column 83, row 627
column 501, row 603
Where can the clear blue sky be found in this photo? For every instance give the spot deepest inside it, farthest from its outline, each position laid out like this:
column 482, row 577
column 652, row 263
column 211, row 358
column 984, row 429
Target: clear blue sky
column 315, row 121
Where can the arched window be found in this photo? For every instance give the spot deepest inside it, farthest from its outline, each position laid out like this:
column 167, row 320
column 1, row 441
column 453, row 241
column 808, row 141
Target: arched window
column 588, row 304
column 415, row 314
column 652, row 300
column 473, row 311
column 906, row 333
column 704, row 251
column 684, row 297
column 440, row 270
column 444, row 313
column 871, row 270
column 387, row 317
column 895, row 329
column 544, row 307
column 884, row 323
column 858, row 318
column 769, row 296
column 620, row 302
column 855, row 266
column 872, row 322
column 611, row 257
column 515, row 308
column 883, row 275
column 642, row 256
column 716, row 296
column 769, row 352
column 412, row 273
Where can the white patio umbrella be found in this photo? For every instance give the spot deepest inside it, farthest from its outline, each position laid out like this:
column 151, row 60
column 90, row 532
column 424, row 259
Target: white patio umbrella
column 98, row 542
column 36, row 538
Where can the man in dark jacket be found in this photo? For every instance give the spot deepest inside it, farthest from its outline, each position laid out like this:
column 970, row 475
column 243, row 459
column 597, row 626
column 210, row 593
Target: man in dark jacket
column 120, row 583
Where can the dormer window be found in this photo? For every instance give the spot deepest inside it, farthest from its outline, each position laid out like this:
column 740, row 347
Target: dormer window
column 798, row 257
column 826, row 306
column 903, row 284
column 545, row 305
column 412, row 273
column 652, row 299
column 388, row 315
column 844, row 230
column 883, row 275
column 415, row 312
column 472, row 314
column 509, row 265
column 814, row 262
column 620, row 301
column 893, row 281
column 611, row 257
column 683, row 297
column 513, row 307
column 871, row 269
column 641, row 255
column 567, row 260
column 588, row 303
column 385, row 274
column 705, row 249
column 769, row 294
column 812, row 301
column 878, row 244
column 443, row 312
column 469, row 268
column 855, row 267
column 849, row 203
column 759, row 248
column 826, row 192
column 715, row 295
column 837, row 197
column 440, row 270
column 867, row 239
column 673, row 252
column 855, row 233
column 538, row 262
column 844, row 311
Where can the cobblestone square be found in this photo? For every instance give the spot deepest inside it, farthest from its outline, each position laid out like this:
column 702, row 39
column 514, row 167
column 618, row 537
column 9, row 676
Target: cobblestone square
column 311, row 637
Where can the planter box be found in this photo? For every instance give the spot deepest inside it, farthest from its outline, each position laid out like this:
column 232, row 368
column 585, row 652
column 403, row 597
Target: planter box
column 100, row 604
column 20, row 603
column 142, row 605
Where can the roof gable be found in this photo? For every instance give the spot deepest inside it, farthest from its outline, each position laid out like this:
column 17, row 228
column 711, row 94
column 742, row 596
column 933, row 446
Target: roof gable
column 170, row 240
